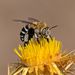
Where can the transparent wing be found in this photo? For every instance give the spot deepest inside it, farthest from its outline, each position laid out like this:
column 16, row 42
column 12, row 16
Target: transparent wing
column 22, row 21
column 32, row 19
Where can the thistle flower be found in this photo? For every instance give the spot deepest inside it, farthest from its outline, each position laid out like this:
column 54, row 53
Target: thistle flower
column 43, row 59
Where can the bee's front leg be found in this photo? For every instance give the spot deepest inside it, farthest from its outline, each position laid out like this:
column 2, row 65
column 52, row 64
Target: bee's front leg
column 48, row 36
column 51, row 37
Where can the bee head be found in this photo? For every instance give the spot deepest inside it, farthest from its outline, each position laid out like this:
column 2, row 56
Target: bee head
column 46, row 31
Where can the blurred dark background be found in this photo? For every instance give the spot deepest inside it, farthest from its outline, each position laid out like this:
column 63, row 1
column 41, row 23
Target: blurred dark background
column 53, row 12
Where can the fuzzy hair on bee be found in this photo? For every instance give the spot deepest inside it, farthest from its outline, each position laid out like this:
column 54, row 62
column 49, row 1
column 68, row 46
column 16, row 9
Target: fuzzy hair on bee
column 36, row 28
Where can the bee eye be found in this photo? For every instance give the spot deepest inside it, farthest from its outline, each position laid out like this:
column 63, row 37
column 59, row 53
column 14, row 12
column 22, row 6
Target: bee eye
column 44, row 31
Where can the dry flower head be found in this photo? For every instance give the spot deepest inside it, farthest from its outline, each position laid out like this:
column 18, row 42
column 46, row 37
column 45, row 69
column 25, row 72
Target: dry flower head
column 45, row 58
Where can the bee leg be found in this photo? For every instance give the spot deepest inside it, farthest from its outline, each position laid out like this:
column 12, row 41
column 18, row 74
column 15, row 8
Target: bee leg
column 36, row 37
column 26, row 39
column 25, row 43
column 37, row 40
column 51, row 37
column 48, row 38
column 29, row 35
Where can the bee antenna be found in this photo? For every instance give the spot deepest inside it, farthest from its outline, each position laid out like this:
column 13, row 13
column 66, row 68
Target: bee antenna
column 53, row 27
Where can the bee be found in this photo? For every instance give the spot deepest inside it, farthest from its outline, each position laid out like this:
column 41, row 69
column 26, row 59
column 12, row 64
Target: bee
column 38, row 29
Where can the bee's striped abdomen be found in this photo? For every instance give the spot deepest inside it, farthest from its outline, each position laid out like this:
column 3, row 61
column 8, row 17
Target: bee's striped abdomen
column 26, row 34
column 23, row 32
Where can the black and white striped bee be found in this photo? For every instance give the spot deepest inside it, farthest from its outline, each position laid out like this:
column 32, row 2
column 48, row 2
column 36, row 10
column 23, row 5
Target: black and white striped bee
column 37, row 28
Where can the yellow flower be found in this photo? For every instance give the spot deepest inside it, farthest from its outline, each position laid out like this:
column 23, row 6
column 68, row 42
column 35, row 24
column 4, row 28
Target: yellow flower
column 41, row 59
column 42, row 53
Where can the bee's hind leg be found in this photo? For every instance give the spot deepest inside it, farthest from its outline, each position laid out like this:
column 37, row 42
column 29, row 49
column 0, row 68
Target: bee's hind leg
column 26, row 41
column 28, row 36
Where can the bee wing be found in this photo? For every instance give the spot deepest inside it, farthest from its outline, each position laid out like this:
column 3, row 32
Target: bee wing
column 32, row 19
column 22, row 21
